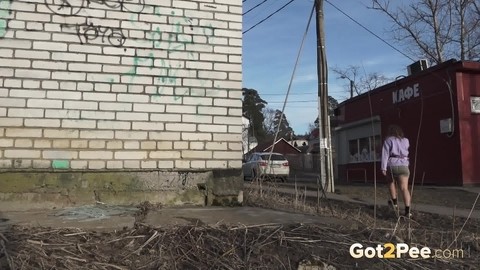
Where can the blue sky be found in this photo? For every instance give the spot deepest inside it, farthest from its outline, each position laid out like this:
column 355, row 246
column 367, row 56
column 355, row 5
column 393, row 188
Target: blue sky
column 271, row 48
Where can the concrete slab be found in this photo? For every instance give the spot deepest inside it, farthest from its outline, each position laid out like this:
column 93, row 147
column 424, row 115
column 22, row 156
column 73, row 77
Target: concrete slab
column 85, row 217
column 233, row 216
column 107, row 218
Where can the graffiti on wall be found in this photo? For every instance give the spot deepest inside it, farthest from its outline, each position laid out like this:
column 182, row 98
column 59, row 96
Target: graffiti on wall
column 173, row 37
column 88, row 31
column 73, row 7
column 4, row 14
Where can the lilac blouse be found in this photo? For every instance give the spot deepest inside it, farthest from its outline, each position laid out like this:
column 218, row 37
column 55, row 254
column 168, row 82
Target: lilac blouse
column 395, row 152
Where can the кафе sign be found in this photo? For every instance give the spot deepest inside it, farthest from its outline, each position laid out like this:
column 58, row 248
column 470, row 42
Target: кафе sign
column 405, row 94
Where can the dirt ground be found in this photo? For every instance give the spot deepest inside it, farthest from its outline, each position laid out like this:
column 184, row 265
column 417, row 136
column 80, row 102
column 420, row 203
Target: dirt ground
column 263, row 246
column 449, row 197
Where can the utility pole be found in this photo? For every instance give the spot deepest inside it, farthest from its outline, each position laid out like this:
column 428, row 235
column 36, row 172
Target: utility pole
column 326, row 164
column 352, row 85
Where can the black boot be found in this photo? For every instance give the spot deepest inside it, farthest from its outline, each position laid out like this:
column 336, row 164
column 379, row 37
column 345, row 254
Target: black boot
column 408, row 214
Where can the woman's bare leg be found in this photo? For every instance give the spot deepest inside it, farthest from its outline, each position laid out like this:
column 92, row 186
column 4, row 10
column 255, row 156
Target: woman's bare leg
column 392, row 189
column 403, row 182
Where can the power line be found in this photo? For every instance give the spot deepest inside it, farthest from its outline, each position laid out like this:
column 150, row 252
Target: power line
column 246, row 12
column 337, row 8
column 312, row 93
column 297, row 60
column 259, row 12
column 303, row 107
column 268, row 17
column 368, row 30
column 295, row 101
column 306, row 93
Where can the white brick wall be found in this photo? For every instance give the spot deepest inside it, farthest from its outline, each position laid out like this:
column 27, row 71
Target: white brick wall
column 159, row 87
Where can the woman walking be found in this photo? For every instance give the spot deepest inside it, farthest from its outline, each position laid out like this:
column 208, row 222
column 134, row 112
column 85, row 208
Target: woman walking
column 395, row 166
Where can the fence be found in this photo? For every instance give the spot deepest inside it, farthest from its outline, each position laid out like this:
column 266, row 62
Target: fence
column 304, row 162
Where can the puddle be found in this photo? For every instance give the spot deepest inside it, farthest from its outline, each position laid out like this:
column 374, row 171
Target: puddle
column 95, row 212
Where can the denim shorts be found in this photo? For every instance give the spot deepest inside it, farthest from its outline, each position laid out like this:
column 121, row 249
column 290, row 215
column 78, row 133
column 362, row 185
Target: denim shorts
column 397, row 171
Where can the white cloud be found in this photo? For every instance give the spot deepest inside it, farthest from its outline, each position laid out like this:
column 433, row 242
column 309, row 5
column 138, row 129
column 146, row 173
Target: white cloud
column 306, row 78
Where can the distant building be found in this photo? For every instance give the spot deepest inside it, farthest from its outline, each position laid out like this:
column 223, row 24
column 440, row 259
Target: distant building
column 281, row 146
column 299, row 142
column 248, row 141
column 439, row 111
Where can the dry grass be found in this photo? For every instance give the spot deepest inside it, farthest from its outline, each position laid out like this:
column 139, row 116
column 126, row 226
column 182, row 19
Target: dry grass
column 245, row 247
column 430, row 230
column 200, row 247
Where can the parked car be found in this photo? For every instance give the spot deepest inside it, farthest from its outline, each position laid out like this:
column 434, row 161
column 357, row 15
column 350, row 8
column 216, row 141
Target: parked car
column 258, row 166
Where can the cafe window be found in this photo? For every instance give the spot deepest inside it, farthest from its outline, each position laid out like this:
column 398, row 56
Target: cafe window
column 367, row 149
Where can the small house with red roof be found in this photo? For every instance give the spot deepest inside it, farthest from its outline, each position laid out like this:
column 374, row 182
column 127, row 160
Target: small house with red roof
column 281, row 146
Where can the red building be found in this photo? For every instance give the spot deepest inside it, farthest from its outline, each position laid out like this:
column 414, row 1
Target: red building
column 281, row 146
column 439, row 111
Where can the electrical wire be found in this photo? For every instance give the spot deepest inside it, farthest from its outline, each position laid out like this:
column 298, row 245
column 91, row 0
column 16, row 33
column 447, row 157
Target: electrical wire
column 374, row 163
column 251, row 17
column 295, row 101
column 369, row 31
column 299, row 94
column 304, row 107
column 261, row 3
column 291, row 80
column 311, row 93
column 268, row 17
column 452, row 106
column 450, row 90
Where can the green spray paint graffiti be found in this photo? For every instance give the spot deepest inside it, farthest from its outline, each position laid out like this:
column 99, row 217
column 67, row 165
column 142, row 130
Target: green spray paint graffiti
column 139, row 61
column 61, row 164
column 4, row 14
column 173, row 39
column 176, row 37
column 168, row 74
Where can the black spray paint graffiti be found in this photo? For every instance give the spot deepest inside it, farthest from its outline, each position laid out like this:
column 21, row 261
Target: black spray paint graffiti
column 73, row 7
column 87, row 32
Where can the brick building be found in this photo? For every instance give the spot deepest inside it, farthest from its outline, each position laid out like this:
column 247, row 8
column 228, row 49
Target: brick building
column 120, row 102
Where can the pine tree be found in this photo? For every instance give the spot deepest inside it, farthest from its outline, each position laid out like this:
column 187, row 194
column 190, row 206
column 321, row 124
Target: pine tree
column 283, row 127
column 253, row 106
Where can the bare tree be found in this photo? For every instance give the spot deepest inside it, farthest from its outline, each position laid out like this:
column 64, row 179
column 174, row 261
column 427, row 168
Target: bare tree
column 436, row 29
column 360, row 83
column 269, row 120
